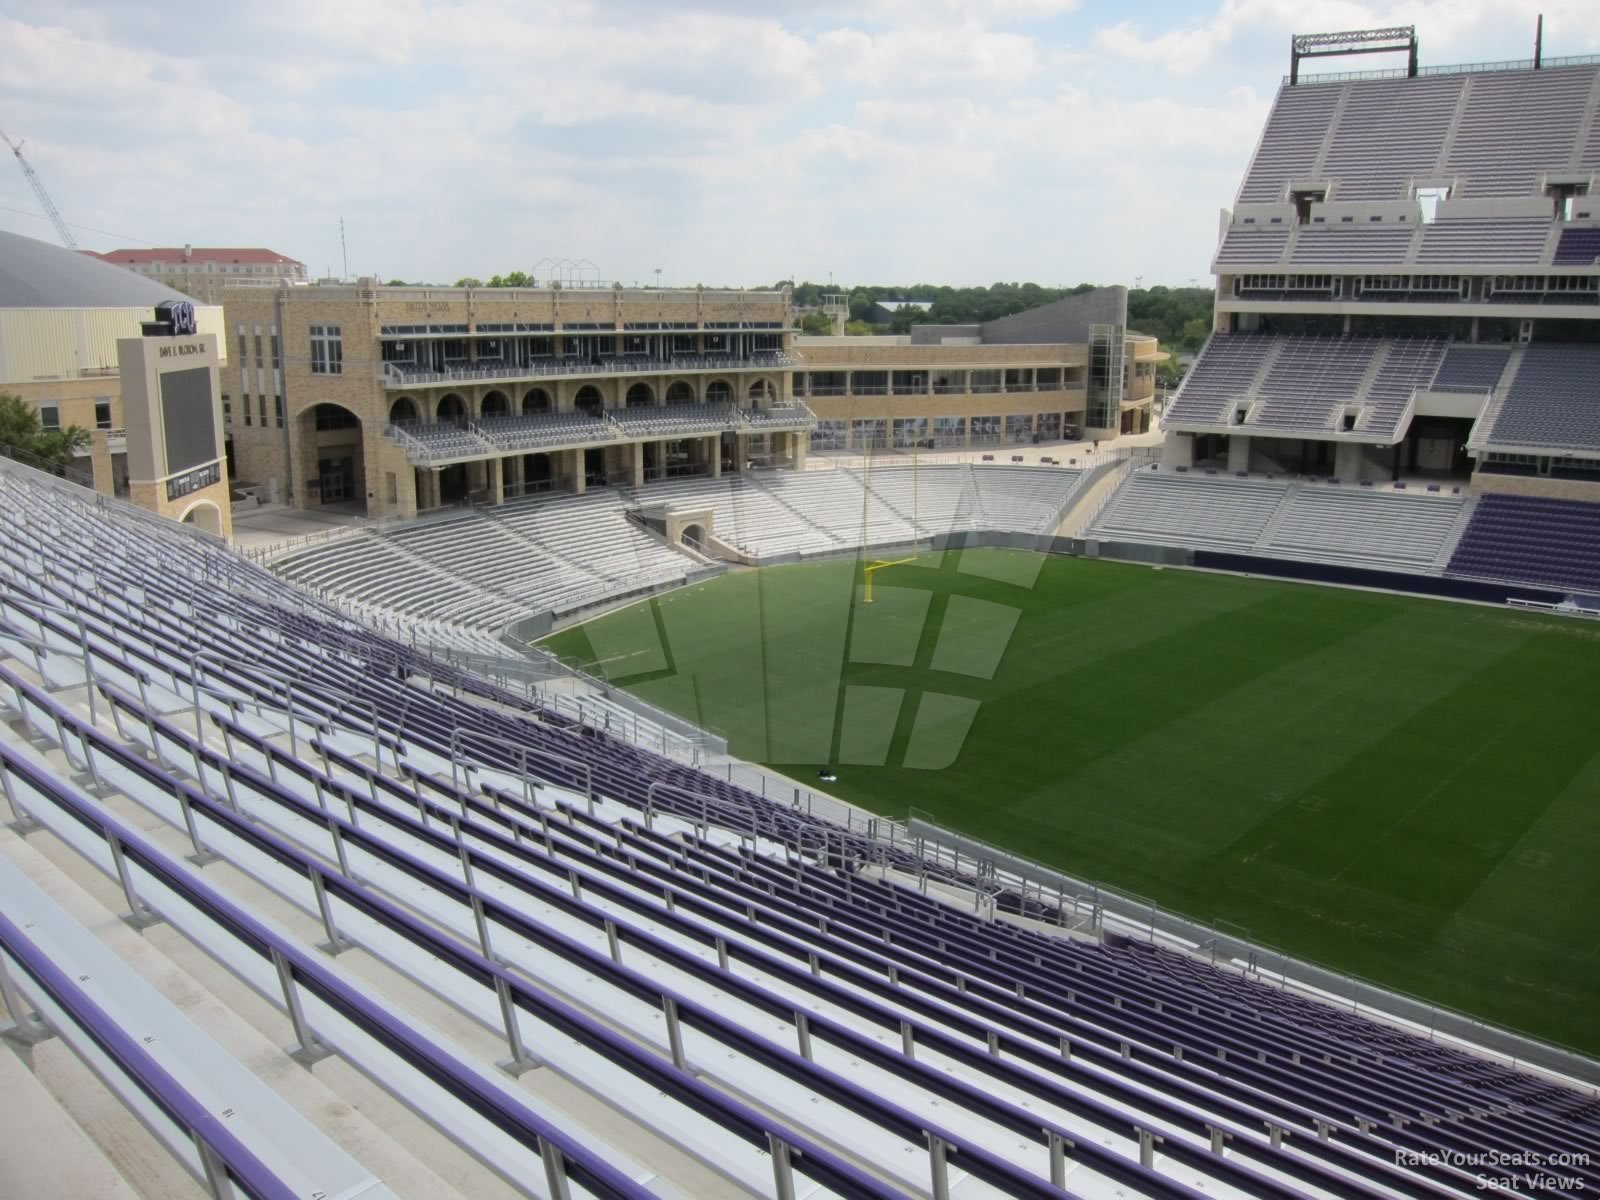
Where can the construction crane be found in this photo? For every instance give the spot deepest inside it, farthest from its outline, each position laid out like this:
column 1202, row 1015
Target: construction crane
column 45, row 202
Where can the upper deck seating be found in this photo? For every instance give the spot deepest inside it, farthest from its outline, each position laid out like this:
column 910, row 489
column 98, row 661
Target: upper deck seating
column 1516, row 125
column 1291, row 142
column 1389, row 132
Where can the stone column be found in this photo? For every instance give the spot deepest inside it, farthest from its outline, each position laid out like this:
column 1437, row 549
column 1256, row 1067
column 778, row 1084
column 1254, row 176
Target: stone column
column 1238, row 452
column 100, row 462
column 580, row 482
column 637, row 463
column 714, row 448
column 1347, row 461
column 800, row 443
column 496, row 482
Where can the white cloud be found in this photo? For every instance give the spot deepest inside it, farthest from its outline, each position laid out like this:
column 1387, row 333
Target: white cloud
column 725, row 141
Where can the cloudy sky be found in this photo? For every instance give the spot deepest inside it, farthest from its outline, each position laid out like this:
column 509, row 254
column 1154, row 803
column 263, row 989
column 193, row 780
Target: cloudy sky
column 721, row 141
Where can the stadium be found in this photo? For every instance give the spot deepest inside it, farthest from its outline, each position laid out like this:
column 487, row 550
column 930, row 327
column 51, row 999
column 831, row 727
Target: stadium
column 689, row 758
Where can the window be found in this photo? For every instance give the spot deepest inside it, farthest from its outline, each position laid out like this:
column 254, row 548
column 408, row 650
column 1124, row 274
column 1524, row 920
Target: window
column 263, row 411
column 227, row 409
column 277, row 403
column 275, row 362
column 258, row 348
column 243, row 351
column 49, row 416
column 327, row 350
column 102, row 414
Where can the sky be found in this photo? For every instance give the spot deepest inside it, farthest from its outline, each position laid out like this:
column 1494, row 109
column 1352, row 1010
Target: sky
column 724, row 142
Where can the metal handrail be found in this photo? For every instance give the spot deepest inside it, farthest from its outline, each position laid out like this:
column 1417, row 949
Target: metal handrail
column 461, row 733
column 214, row 658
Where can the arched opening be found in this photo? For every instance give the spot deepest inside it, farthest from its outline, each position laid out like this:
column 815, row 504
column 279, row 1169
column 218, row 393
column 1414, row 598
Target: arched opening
column 495, row 404
column 640, row 395
column 719, row 391
column 332, row 461
column 403, row 411
column 537, row 400
column 680, row 393
column 762, row 393
column 452, row 408
column 588, row 399
column 694, row 536
column 203, row 514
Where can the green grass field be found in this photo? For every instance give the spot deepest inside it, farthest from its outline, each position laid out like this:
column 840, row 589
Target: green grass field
column 1406, row 789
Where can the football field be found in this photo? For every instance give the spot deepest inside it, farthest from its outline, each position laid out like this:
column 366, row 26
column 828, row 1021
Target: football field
column 1406, row 789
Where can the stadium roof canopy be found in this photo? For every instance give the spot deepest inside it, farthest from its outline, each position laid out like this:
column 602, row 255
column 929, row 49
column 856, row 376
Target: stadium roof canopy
column 35, row 274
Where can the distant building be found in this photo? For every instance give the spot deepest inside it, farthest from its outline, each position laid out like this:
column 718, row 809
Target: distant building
column 201, row 272
column 62, row 319
column 882, row 313
column 1063, row 370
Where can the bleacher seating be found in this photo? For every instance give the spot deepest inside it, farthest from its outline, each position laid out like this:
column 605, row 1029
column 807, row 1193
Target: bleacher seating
column 1488, row 240
column 1352, row 245
column 1553, row 401
column 1311, row 378
column 1389, row 132
column 1497, row 131
column 1024, row 499
column 746, row 515
column 1291, row 142
column 675, row 420
column 1396, row 531
column 1578, row 247
column 440, row 439
column 1532, row 539
column 1171, row 509
column 514, row 434
column 1246, row 245
column 1383, row 529
column 484, row 569
column 520, row 888
column 1407, row 364
column 1471, row 367
column 1516, row 125
column 1225, row 371
column 480, row 570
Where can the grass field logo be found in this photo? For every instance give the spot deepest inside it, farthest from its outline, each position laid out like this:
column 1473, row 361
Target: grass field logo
column 897, row 681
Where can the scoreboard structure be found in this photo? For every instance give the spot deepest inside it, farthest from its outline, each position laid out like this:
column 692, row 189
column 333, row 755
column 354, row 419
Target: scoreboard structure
column 172, row 409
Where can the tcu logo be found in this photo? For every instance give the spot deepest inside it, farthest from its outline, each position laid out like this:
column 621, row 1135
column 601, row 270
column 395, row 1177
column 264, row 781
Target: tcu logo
column 180, row 313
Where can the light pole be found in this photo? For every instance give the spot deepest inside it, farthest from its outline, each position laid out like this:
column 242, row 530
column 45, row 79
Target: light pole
column 658, row 279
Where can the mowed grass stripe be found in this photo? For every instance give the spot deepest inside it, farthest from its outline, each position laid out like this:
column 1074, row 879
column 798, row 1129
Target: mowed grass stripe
column 1405, row 789
column 1301, row 720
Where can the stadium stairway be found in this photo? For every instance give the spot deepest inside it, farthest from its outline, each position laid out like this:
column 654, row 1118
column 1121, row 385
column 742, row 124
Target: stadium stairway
column 495, row 882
